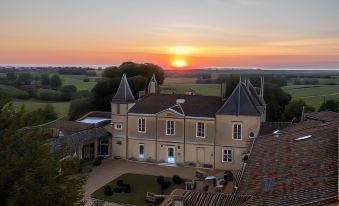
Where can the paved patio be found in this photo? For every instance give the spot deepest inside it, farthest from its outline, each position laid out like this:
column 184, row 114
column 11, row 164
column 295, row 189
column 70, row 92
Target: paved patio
column 111, row 169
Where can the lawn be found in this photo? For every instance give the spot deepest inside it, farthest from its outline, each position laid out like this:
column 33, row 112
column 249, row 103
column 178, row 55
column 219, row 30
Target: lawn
column 14, row 92
column 77, row 80
column 199, row 89
column 140, row 185
column 61, row 108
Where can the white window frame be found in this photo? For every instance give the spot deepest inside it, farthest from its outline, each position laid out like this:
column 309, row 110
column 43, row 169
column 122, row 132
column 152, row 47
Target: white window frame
column 197, row 130
column 139, row 127
column 171, row 134
column 116, row 126
column 141, row 156
column 222, row 155
column 233, row 124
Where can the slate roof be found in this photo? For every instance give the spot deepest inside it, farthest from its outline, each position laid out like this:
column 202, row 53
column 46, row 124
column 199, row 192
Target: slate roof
column 325, row 116
column 242, row 101
column 195, row 106
column 285, row 171
column 124, row 93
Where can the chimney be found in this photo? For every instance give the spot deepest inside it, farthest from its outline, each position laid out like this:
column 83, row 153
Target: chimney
column 262, row 84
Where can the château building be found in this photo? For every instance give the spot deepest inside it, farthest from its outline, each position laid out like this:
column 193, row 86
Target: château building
column 206, row 131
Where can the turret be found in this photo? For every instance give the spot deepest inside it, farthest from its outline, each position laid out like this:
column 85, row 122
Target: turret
column 153, row 86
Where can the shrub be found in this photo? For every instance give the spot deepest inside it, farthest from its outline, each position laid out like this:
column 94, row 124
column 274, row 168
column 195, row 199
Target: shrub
column 97, row 162
column 86, row 80
column 68, row 89
column 177, row 179
column 117, row 190
column 207, row 165
column 165, row 185
column 108, row 190
column 127, row 188
column 160, row 180
column 120, row 183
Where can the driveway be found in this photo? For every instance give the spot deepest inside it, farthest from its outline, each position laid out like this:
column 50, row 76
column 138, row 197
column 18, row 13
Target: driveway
column 111, row 169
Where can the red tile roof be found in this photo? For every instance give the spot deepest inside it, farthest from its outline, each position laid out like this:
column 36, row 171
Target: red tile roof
column 285, row 171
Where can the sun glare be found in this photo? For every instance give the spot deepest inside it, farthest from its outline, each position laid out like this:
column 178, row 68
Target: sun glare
column 179, row 63
column 180, row 50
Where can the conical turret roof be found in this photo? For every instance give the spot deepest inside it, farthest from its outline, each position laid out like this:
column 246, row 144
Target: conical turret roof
column 124, row 93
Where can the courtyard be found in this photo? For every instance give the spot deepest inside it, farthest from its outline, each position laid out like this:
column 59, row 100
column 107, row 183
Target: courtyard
column 111, row 169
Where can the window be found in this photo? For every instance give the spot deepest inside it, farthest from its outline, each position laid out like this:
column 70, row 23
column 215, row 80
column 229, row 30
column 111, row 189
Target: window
column 227, row 155
column 103, row 147
column 142, row 125
column 170, row 127
column 200, row 129
column 236, row 130
column 141, row 151
column 118, row 126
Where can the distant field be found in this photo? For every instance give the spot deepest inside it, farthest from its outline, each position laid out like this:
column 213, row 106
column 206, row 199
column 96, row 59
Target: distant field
column 312, row 94
column 60, row 107
column 77, row 80
column 179, row 80
column 200, row 89
column 14, row 92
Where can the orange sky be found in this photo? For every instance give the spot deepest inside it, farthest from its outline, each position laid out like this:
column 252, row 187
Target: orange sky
column 192, row 34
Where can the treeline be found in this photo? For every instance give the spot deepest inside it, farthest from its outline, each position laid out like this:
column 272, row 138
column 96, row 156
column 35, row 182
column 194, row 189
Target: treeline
column 103, row 92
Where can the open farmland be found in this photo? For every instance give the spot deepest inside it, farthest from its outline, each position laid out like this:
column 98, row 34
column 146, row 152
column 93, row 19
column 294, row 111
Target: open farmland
column 313, row 95
column 61, row 108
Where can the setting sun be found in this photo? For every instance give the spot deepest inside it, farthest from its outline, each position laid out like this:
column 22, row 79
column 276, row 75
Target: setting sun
column 179, row 63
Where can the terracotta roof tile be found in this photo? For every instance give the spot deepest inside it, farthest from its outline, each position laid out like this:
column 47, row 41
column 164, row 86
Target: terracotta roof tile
column 284, row 171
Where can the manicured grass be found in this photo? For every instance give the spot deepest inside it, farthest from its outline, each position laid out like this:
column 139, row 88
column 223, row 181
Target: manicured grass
column 199, row 89
column 140, row 185
column 77, row 80
column 61, row 108
column 14, row 92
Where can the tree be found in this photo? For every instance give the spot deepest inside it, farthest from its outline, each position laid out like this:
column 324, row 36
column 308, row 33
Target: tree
column 29, row 172
column 112, row 72
column 45, row 80
column 132, row 69
column 330, row 105
column 55, row 82
column 137, row 83
column 103, row 93
column 276, row 100
column 25, row 78
column 11, row 76
column 80, row 107
column 68, row 89
column 294, row 109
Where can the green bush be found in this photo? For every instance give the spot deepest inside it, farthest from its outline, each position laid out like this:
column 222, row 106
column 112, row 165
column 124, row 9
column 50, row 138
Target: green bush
column 176, row 179
column 120, row 183
column 97, row 162
column 68, row 89
column 160, row 180
column 108, row 190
